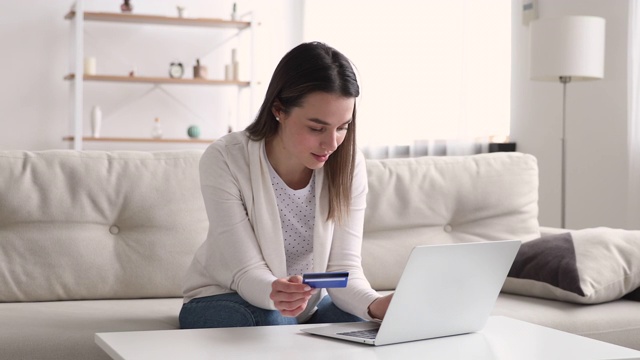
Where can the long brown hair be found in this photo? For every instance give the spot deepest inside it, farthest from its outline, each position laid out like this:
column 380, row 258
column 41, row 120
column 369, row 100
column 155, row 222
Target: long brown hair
column 308, row 68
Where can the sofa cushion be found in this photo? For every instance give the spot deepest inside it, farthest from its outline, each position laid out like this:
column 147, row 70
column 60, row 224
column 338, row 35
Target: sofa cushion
column 98, row 225
column 586, row 266
column 62, row 330
column 434, row 200
column 616, row 322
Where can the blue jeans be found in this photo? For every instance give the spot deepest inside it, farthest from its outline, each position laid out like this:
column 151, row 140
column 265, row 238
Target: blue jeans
column 231, row 310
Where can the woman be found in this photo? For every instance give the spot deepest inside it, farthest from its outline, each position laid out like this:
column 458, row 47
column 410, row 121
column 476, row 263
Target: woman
column 285, row 197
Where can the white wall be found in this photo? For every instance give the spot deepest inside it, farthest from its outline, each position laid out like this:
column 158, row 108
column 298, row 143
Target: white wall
column 35, row 38
column 34, row 99
column 596, row 122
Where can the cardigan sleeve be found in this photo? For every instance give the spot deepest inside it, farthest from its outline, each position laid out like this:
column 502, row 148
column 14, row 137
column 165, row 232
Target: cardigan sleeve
column 231, row 258
column 346, row 247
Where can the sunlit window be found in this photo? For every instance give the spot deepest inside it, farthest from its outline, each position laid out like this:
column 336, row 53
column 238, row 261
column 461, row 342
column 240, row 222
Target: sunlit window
column 431, row 69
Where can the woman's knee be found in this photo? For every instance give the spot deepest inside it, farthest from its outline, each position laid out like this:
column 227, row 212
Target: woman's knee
column 215, row 314
column 227, row 310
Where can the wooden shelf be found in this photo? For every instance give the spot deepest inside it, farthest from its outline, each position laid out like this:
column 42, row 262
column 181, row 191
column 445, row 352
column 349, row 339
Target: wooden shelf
column 76, row 76
column 157, row 80
column 160, row 20
column 147, row 140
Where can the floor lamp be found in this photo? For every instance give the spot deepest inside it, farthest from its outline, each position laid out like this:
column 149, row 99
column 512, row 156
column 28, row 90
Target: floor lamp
column 565, row 49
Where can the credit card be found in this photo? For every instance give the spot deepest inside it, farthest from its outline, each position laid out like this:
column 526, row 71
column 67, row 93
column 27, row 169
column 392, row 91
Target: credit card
column 336, row 279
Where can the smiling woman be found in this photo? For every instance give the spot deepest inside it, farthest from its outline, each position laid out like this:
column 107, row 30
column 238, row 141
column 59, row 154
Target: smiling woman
column 284, row 198
column 429, row 69
column 315, row 80
column 308, row 135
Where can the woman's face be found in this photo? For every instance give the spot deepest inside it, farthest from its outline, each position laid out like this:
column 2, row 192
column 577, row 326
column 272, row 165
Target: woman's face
column 309, row 134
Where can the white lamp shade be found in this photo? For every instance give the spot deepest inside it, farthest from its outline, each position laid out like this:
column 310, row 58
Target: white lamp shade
column 567, row 46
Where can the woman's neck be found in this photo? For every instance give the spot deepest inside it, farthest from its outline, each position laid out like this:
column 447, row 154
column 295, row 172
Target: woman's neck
column 295, row 175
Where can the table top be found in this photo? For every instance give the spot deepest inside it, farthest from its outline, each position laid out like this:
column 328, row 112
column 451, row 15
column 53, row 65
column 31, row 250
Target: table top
column 501, row 338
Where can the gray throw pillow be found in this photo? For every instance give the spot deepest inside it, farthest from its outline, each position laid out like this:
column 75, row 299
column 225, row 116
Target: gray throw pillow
column 587, row 266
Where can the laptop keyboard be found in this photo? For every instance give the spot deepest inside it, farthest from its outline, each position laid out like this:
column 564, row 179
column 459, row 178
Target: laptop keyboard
column 363, row 334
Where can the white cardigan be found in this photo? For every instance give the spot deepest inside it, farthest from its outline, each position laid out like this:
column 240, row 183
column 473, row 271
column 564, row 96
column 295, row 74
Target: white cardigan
column 244, row 249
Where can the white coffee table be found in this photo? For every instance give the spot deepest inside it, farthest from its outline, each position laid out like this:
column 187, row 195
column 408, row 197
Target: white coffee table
column 502, row 338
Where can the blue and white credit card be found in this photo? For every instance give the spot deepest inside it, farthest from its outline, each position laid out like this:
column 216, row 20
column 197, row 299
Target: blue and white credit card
column 336, row 279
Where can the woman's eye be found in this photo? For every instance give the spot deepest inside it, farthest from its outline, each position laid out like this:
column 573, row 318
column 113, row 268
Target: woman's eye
column 316, row 129
column 343, row 128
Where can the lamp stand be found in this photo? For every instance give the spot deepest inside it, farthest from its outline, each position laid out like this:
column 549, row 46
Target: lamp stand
column 563, row 200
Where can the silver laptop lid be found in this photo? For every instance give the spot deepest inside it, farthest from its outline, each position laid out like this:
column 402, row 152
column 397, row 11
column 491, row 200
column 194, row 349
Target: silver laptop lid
column 447, row 290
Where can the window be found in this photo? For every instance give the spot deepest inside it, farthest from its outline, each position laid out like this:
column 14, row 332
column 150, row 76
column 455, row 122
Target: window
column 429, row 69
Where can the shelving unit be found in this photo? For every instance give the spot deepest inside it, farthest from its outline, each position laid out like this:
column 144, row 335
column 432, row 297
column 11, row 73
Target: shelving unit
column 77, row 67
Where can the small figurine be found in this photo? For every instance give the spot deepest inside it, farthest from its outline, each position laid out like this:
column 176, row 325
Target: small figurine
column 126, row 6
column 182, row 11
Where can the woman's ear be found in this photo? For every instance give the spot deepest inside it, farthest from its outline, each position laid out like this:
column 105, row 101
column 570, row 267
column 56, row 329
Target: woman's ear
column 276, row 109
column 275, row 113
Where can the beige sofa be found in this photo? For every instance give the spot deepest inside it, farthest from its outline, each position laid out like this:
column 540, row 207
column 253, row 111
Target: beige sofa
column 99, row 241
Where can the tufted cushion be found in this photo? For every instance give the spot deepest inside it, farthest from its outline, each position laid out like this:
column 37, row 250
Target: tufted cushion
column 431, row 200
column 97, row 225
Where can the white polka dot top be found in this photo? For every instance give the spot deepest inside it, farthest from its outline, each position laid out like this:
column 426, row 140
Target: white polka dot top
column 297, row 215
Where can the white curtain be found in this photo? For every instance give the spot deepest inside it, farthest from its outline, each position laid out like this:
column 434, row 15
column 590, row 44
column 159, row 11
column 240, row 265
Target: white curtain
column 427, row 148
column 633, row 92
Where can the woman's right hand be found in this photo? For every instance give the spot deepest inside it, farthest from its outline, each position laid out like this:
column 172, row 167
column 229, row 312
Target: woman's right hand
column 290, row 295
column 378, row 308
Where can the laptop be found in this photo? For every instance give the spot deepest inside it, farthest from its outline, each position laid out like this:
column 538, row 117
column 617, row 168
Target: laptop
column 444, row 290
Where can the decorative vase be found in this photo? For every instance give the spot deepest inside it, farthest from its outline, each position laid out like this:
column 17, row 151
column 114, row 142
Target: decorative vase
column 234, row 12
column 193, row 131
column 96, row 121
column 182, row 11
column 199, row 71
column 126, row 7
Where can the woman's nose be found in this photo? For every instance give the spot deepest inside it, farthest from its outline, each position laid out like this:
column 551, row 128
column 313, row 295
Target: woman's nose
column 330, row 141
